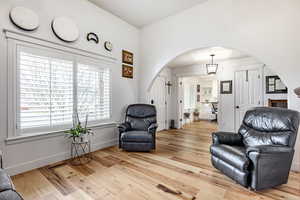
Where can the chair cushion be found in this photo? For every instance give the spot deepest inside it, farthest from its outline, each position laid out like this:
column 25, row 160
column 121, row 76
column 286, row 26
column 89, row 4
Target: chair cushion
column 140, row 116
column 136, row 136
column 5, row 181
column 140, row 124
column 252, row 137
column 270, row 126
column 239, row 176
column 233, row 155
column 10, row 195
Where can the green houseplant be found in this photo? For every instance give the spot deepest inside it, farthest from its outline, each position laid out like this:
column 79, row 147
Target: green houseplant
column 79, row 133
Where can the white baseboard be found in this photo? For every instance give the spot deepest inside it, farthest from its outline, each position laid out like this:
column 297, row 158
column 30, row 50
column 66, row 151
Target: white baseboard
column 34, row 164
column 296, row 167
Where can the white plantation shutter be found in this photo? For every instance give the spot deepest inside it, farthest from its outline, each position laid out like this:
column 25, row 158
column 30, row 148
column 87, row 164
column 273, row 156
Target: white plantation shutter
column 93, row 91
column 45, row 91
column 52, row 86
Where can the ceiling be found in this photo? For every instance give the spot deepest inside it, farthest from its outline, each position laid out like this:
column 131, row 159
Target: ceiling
column 202, row 56
column 143, row 12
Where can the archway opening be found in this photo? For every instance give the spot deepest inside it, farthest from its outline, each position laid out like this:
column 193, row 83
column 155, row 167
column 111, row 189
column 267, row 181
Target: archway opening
column 184, row 91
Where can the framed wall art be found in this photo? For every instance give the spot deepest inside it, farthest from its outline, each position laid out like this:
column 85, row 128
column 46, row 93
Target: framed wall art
column 226, row 87
column 274, row 85
column 198, row 89
column 127, row 71
column 127, row 57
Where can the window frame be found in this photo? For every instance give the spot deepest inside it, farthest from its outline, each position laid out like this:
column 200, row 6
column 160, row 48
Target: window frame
column 16, row 42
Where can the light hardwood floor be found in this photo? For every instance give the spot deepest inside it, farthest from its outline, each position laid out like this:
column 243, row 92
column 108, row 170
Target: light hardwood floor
column 180, row 168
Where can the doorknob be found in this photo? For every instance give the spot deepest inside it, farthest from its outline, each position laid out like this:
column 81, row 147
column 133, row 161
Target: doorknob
column 237, row 107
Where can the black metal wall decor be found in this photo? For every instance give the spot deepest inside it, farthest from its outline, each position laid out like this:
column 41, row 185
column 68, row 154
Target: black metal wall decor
column 274, row 85
column 92, row 37
column 169, row 85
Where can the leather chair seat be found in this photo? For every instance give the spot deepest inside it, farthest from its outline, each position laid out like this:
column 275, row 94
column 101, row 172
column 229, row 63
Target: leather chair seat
column 7, row 189
column 233, row 155
column 136, row 136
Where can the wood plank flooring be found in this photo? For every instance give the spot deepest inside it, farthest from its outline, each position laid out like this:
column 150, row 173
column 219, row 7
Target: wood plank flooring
column 180, row 168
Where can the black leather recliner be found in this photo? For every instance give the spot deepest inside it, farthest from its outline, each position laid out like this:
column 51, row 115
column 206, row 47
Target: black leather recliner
column 260, row 155
column 138, row 131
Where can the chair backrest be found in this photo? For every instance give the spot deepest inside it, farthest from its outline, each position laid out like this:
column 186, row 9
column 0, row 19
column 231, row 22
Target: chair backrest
column 140, row 116
column 270, row 126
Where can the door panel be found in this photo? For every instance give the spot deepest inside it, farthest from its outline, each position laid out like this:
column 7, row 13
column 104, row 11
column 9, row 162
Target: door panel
column 248, row 93
column 158, row 96
column 180, row 103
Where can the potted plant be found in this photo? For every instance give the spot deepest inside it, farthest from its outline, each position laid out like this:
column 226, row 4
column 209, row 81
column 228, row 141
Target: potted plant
column 79, row 133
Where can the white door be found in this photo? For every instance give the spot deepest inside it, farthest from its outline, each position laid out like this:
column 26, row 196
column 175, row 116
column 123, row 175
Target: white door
column 180, row 103
column 248, row 93
column 158, row 98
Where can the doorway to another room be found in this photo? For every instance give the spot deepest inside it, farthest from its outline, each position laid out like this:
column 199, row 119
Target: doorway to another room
column 217, row 85
column 198, row 99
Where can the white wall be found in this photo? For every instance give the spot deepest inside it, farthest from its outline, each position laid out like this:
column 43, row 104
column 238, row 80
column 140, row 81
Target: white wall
column 21, row 156
column 267, row 30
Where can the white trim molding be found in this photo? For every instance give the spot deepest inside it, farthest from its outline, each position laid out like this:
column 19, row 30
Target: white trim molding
column 34, row 164
column 45, row 135
column 9, row 34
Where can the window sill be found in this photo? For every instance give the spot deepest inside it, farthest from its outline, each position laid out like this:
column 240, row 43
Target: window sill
column 45, row 135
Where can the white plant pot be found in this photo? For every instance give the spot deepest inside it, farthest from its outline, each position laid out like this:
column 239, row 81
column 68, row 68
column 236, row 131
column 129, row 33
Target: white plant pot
column 84, row 138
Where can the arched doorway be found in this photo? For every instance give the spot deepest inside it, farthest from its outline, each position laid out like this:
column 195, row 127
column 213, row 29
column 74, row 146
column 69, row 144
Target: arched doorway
column 239, row 84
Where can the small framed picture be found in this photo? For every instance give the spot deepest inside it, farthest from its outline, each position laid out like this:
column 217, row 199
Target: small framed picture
column 127, row 57
column 226, row 87
column 198, row 88
column 127, row 71
column 274, row 85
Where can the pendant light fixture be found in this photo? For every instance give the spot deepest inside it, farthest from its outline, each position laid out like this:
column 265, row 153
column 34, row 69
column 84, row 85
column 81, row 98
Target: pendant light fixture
column 212, row 68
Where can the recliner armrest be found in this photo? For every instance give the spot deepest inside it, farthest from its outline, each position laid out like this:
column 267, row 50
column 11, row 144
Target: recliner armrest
column 269, row 149
column 227, row 138
column 152, row 127
column 124, row 127
column 270, row 166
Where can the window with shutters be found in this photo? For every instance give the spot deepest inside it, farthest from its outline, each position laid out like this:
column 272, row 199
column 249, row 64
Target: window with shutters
column 93, row 92
column 52, row 87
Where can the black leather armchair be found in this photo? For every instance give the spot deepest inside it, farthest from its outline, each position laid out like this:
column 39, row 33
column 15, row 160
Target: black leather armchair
column 260, row 155
column 137, row 133
column 7, row 189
